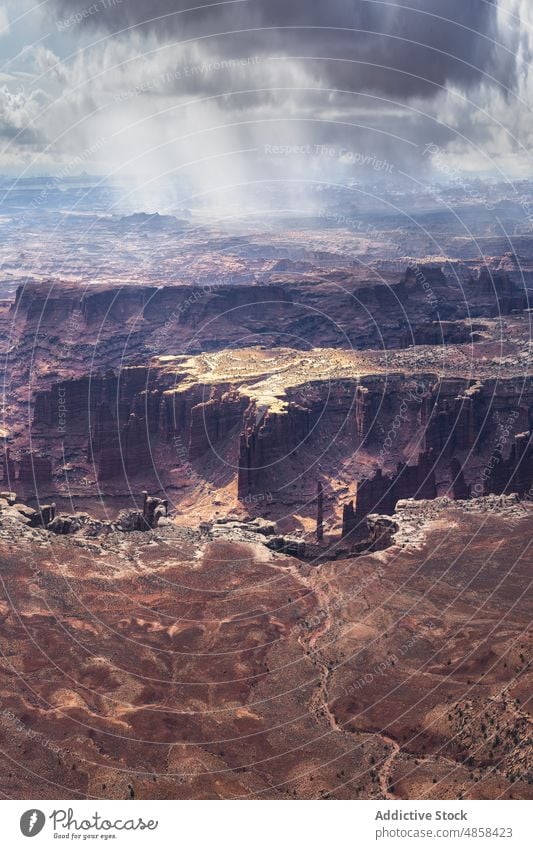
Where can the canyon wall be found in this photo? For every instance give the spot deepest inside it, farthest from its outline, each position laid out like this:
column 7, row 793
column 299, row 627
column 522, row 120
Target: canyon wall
column 110, row 326
column 408, row 436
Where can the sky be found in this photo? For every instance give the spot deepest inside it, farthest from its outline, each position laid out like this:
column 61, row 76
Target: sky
column 233, row 93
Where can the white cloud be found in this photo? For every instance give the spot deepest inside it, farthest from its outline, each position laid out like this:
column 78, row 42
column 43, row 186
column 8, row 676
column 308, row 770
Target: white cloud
column 49, row 65
column 4, row 21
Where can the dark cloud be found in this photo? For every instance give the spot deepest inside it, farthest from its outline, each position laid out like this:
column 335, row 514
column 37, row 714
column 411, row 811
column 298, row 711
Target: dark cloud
column 391, row 49
column 229, row 82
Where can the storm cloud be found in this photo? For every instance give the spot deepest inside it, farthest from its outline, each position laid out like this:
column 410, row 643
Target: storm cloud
column 398, row 50
column 240, row 91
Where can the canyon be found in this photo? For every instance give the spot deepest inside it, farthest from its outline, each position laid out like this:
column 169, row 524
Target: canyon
column 268, row 539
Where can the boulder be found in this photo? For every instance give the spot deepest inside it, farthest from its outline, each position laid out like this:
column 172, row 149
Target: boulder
column 67, row 524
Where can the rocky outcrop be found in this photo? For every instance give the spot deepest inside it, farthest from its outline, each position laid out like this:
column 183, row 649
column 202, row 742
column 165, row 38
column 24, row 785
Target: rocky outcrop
column 460, row 414
column 125, row 423
column 64, row 523
column 134, row 321
column 514, row 474
column 505, row 295
column 211, row 421
column 381, row 493
column 288, row 545
column 50, row 305
column 266, row 440
column 453, row 414
column 380, row 531
column 154, row 509
column 116, row 305
column 114, row 416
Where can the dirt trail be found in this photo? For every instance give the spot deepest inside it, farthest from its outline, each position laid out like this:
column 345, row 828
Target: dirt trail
column 385, row 771
column 320, row 699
